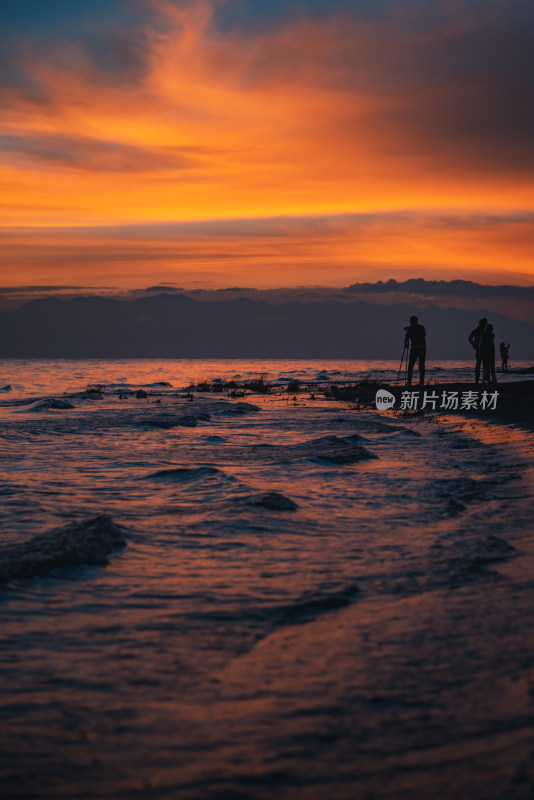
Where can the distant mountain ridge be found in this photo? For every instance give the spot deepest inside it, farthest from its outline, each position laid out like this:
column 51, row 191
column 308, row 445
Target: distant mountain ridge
column 173, row 325
column 459, row 288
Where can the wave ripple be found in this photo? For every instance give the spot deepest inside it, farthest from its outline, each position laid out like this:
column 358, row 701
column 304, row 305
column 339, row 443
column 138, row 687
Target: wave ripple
column 81, row 543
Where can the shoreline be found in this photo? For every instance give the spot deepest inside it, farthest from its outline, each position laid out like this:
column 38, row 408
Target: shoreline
column 515, row 401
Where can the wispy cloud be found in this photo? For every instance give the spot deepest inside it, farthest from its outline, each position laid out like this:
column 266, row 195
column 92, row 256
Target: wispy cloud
column 94, row 155
column 334, row 250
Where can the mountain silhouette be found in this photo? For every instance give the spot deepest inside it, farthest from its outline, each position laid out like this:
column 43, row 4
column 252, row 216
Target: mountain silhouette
column 172, row 325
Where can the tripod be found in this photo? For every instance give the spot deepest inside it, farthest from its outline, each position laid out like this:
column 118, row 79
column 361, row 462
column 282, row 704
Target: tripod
column 400, row 366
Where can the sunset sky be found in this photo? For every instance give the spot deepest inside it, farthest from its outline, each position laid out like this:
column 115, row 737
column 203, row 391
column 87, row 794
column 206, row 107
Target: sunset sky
column 255, row 143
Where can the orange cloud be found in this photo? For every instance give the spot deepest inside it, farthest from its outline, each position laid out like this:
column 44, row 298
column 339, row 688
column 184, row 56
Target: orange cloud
column 336, row 117
column 275, row 252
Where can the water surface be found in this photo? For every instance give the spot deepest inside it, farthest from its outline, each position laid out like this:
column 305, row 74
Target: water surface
column 375, row 641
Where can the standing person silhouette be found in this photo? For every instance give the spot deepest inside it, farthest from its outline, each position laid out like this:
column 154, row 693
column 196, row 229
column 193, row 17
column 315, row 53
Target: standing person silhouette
column 474, row 340
column 504, row 348
column 487, row 353
column 415, row 339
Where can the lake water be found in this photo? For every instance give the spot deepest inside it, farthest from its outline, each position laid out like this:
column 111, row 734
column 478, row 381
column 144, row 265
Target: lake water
column 313, row 601
column 34, row 377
